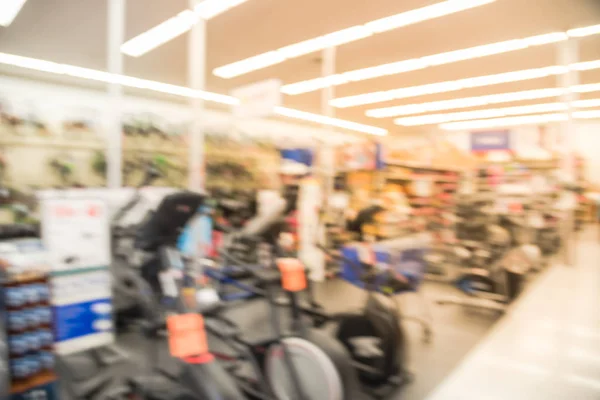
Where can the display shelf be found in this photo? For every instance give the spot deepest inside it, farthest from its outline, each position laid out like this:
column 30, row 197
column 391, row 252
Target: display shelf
column 414, row 165
column 55, row 142
column 155, row 150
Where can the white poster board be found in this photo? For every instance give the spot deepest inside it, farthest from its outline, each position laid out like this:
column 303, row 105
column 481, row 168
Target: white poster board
column 76, row 234
column 258, row 99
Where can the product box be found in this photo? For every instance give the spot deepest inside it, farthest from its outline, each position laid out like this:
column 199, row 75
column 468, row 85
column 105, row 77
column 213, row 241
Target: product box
column 26, row 327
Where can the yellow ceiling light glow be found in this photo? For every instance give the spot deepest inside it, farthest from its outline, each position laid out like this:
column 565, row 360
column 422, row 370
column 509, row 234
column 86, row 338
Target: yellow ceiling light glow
column 128, row 81
column 351, row 34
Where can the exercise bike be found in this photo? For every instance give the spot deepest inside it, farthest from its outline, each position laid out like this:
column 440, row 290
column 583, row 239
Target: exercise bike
column 372, row 339
column 306, row 366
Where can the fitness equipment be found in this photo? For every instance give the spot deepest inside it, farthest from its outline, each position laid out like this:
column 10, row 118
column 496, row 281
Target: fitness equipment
column 306, row 364
column 127, row 301
column 288, row 353
column 200, row 376
column 372, row 339
column 494, row 288
column 374, row 336
column 256, row 243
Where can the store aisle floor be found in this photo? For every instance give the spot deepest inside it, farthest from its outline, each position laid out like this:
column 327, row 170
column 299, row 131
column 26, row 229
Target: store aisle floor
column 547, row 347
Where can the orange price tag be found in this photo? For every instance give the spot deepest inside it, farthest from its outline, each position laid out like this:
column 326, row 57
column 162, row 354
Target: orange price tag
column 293, row 277
column 187, row 336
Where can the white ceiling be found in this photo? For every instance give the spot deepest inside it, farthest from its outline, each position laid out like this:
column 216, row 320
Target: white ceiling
column 74, row 32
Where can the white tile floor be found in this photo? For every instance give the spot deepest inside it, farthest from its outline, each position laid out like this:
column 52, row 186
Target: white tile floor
column 547, row 347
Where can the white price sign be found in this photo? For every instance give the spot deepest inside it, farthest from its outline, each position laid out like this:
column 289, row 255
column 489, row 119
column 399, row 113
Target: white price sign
column 75, row 232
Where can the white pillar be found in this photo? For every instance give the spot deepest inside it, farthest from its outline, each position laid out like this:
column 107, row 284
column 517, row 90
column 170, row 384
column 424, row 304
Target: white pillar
column 114, row 149
column 568, row 53
column 326, row 151
column 197, row 80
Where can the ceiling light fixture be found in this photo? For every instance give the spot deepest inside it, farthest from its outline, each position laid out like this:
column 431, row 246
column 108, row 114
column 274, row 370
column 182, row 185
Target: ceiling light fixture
column 467, row 102
column 128, row 81
column 209, row 9
column 450, row 86
column 160, row 34
column 502, row 122
column 592, row 114
column 321, row 119
column 480, row 114
column 9, row 10
column 351, row 34
column 586, row 31
column 514, row 121
column 438, row 59
column 176, row 26
column 586, row 103
column 423, row 62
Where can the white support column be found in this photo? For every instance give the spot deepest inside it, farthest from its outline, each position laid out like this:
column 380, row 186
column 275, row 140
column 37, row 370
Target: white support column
column 197, row 80
column 326, row 152
column 114, row 133
column 568, row 53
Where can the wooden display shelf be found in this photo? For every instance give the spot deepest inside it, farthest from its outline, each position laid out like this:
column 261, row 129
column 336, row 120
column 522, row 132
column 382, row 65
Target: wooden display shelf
column 38, row 380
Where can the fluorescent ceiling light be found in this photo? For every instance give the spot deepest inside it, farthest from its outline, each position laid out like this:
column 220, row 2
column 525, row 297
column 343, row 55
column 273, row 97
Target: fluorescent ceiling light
column 586, row 103
column 466, row 102
column 440, row 59
column 211, row 8
column 160, row 34
column 355, row 33
column 586, row 66
column 321, row 119
column 514, row 121
column 587, row 88
column 176, row 26
column 480, row 114
column 502, row 122
column 9, row 10
column 423, row 14
column 128, row 81
column 592, row 114
column 423, row 62
column 586, row 31
column 450, row 86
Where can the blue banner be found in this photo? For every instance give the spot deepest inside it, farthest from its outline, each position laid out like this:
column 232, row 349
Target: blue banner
column 490, row 140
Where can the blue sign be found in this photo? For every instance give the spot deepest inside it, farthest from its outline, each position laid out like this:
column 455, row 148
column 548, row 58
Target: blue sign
column 302, row 156
column 490, row 140
column 82, row 319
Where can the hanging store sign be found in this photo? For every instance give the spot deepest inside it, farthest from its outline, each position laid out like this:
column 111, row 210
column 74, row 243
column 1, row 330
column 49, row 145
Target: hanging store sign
column 490, row 141
column 257, row 100
column 360, row 156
